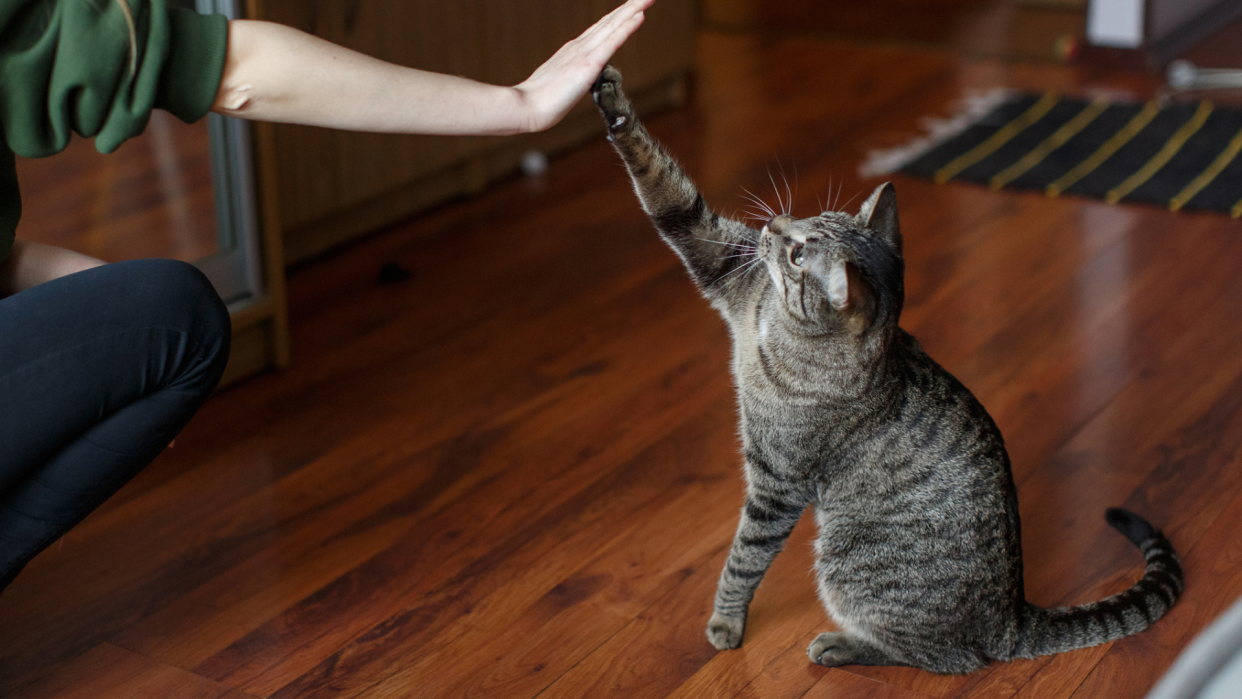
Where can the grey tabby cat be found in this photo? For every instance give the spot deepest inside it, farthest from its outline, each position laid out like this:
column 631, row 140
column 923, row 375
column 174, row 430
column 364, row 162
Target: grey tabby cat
column 919, row 558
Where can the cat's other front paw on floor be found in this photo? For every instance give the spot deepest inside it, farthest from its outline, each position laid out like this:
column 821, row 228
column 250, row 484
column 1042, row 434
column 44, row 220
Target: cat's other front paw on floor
column 725, row 633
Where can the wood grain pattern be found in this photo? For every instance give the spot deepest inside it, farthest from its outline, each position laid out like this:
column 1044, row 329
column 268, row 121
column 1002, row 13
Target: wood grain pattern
column 516, row 474
column 107, row 670
column 151, row 198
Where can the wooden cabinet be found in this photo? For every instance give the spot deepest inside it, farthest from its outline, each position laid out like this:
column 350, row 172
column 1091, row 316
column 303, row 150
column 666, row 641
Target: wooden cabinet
column 331, row 186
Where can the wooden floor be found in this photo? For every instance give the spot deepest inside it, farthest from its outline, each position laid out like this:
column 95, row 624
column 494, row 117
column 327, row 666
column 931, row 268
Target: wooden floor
column 152, row 197
column 517, row 473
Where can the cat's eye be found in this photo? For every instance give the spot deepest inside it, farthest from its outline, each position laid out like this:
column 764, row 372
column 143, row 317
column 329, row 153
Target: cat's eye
column 796, row 255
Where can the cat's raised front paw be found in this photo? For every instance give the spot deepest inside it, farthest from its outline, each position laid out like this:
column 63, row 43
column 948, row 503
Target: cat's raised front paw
column 725, row 633
column 611, row 100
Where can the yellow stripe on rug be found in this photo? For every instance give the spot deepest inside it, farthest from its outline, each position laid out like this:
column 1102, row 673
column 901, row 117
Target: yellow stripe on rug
column 1000, row 138
column 1106, row 151
column 1166, row 153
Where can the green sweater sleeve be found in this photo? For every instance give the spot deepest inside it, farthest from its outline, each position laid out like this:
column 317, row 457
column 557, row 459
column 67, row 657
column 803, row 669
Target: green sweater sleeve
column 66, row 66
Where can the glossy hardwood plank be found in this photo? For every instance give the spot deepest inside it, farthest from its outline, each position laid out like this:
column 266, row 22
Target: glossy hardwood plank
column 151, row 198
column 1214, row 581
column 785, row 616
column 107, row 670
column 658, row 651
column 838, row 683
column 599, row 594
column 788, row 674
column 1071, row 556
column 442, row 609
column 1016, row 29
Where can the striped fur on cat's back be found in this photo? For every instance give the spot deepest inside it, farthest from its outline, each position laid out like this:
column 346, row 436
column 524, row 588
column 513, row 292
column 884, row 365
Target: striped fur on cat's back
column 919, row 556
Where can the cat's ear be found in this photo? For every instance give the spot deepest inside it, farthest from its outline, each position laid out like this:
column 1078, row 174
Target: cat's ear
column 849, row 295
column 879, row 213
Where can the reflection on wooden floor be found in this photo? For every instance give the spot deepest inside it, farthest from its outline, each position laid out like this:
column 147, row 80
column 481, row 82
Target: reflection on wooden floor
column 151, row 198
column 1014, row 29
column 517, row 473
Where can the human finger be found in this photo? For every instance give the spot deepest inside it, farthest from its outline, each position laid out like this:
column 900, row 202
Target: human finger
column 609, row 43
column 611, row 22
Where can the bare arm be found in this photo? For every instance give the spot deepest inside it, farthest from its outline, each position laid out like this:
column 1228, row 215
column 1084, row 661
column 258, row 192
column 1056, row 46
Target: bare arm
column 277, row 73
column 31, row 264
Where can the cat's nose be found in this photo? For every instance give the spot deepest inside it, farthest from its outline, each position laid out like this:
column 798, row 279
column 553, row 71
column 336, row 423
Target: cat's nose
column 779, row 223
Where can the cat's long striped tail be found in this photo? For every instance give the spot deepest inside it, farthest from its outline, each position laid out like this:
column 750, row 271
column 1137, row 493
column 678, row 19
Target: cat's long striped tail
column 1048, row 631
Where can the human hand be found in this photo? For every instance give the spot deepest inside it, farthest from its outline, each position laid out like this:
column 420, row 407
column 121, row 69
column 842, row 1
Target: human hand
column 557, row 85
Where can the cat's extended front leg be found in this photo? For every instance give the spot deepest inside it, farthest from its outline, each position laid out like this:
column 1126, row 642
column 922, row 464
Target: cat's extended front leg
column 712, row 247
column 767, row 520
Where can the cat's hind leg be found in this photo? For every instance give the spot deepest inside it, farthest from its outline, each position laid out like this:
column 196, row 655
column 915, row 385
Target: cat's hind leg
column 837, row 648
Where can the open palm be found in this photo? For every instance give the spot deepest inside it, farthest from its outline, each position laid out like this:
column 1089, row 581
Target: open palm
column 557, row 85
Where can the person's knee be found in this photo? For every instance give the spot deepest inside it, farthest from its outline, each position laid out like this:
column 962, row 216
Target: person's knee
column 190, row 303
column 210, row 324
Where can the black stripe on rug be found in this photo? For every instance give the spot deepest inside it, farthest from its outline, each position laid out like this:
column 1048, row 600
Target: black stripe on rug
column 1182, row 156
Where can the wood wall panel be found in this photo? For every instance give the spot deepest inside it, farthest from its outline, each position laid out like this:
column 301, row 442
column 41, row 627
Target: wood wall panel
column 660, row 48
column 519, row 35
column 335, row 185
column 322, row 170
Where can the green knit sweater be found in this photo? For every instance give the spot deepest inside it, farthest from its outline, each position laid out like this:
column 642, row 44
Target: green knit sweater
column 65, row 67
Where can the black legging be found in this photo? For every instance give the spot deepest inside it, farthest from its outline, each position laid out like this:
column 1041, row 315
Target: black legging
column 99, row 371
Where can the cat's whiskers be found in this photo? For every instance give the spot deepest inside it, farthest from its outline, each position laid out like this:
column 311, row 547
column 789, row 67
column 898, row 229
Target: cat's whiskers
column 747, row 238
column 776, row 190
column 786, row 203
column 754, row 197
column 834, row 194
column 741, row 268
column 851, row 200
column 763, row 206
column 794, row 194
column 757, row 216
column 721, row 242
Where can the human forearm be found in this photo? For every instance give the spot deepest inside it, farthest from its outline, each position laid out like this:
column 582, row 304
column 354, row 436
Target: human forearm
column 31, row 264
column 276, row 73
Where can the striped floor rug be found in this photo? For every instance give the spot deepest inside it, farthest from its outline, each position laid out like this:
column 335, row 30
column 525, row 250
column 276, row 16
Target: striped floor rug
column 1180, row 155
